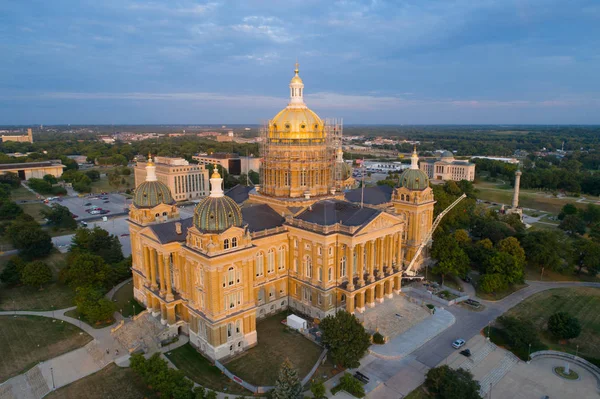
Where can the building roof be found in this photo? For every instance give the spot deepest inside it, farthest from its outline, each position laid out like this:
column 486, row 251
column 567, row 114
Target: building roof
column 376, row 195
column 239, row 193
column 29, row 165
column 329, row 212
column 260, row 217
column 166, row 232
column 217, row 214
column 414, row 179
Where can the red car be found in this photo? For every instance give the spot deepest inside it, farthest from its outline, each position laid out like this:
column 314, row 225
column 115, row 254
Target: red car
column 74, row 216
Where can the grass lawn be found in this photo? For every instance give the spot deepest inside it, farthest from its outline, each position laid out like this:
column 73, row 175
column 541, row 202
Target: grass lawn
column 27, row 340
column 112, row 382
column 22, row 194
column 54, row 295
column 123, row 298
column 260, row 365
column 496, row 296
column 201, row 370
column 34, row 210
column 581, row 302
column 534, row 274
column 103, row 186
column 101, row 324
column 539, row 200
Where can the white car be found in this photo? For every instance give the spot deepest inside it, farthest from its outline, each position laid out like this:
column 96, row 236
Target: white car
column 458, row 343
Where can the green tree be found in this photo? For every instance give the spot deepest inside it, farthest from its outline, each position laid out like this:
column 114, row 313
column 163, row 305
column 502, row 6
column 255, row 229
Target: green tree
column 288, row 384
column 543, row 249
column 27, row 236
column 94, row 175
column 567, row 209
column 564, row 326
column 462, row 238
column 512, row 247
column 36, row 274
column 591, row 214
column 10, row 178
column 573, row 225
column 168, row 382
column 519, row 333
column 317, row 388
column 85, row 269
column 59, row 217
column 346, row 338
column 11, row 274
column 587, row 255
column 9, row 210
column 93, row 305
column 50, row 179
column 98, row 242
column 254, row 177
column 452, row 259
column 447, row 383
column 492, row 282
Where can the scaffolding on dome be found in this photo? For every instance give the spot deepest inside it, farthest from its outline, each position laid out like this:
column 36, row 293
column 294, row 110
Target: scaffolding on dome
column 280, row 153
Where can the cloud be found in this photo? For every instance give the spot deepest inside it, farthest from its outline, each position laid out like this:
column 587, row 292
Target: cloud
column 174, row 8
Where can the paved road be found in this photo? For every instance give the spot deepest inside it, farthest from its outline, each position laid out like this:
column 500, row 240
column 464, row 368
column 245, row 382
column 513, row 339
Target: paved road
column 400, row 377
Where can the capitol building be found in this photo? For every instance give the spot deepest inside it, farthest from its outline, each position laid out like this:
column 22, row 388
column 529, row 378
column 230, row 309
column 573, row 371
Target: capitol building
column 299, row 240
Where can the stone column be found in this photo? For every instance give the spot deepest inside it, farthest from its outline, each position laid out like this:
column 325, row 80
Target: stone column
column 161, row 273
column 390, row 253
column 371, row 261
column 380, row 257
column 397, row 284
column 163, row 314
column 379, row 291
column 360, row 299
column 171, row 315
column 370, row 292
column 147, row 269
column 388, row 288
column 515, row 201
column 350, row 303
column 167, row 264
column 361, row 265
column 350, row 264
column 152, row 256
column 399, row 251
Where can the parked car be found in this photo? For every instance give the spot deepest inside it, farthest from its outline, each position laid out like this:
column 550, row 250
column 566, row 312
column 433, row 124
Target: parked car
column 458, row 343
column 74, row 216
column 466, row 279
column 466, row 352
column 87, row 204
column 106, row 202
column 84, row 224
column 103, row 212
column 125, row 235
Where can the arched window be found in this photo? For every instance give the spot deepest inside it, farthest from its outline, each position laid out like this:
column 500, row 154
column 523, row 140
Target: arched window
column 320, row 274
column 229, row 330
column 330, row 274
column 231, row 276
column 402, row 197
column 164, row 213
column 343, row 267
column 308, row 267
column 226, row 243
column 271, row 261
column 259, row 264
column 238, row 327
column 234, row 242
column 281, row 258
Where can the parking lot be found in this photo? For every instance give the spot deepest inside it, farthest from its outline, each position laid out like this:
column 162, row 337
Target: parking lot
column 116, row 204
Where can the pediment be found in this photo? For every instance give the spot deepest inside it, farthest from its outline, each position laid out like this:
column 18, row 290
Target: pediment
column 381, row 222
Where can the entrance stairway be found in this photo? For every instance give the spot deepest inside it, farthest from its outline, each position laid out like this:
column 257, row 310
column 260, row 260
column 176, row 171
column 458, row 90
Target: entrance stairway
column 140, row 334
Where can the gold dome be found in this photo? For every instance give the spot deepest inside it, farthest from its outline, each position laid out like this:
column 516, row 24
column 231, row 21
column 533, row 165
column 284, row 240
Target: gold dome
column 297, row 123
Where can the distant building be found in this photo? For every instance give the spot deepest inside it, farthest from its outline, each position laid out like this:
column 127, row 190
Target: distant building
column 37, row 170
column 21, row 138
column 385, row 167
column 231, row 162
column 186, row 181
column 447, row 168
column 502, row 159
column 80, row 159
column 107, row 139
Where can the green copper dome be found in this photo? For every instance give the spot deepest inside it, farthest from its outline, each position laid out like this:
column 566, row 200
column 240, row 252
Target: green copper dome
column 152, row 193
column 414, row 179
column 217, row 214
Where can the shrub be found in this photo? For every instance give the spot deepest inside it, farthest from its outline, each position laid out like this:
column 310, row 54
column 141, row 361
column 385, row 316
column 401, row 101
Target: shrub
column 378, row 338
column 36, row 274
column 317, row 388
column 346, row 338
column 447, row 383
column 351, row 385
column 564, row 326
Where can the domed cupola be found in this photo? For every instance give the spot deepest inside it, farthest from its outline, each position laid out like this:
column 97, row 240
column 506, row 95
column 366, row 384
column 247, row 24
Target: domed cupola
column 217, row 212
column 414, row 178
column 152, row 192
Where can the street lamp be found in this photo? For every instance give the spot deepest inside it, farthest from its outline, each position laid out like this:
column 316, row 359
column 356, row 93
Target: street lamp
column 577, row 351
column 488, row 330
column 542, row 274
column 529, row 354
column 52, row 374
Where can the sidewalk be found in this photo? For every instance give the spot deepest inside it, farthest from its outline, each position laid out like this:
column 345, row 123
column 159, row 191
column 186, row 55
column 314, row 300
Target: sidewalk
column 414, row 337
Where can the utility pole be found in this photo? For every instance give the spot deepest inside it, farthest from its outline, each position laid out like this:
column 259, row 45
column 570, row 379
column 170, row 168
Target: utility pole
column 52, row 374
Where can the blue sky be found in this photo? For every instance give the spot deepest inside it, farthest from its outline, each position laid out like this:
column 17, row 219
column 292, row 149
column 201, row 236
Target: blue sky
column 401, row 62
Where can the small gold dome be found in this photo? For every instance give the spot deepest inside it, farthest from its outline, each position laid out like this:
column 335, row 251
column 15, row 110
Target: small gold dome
column 296, row 79
column 297, row 123
column 215, row 174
